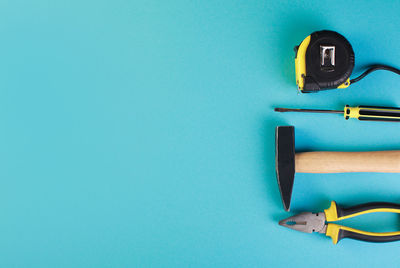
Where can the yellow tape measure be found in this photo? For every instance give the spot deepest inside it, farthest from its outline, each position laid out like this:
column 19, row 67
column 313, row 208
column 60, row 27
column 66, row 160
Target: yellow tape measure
column 325, row 60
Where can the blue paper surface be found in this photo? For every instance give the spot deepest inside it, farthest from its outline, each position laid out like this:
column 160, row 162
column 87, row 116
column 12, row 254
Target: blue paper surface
column 141, row 133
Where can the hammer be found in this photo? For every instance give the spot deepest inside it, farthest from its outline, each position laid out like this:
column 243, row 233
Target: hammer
column 287, row 162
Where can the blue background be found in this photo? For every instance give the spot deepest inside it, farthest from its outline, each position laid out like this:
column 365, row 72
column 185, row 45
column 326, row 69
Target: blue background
column 141, row 133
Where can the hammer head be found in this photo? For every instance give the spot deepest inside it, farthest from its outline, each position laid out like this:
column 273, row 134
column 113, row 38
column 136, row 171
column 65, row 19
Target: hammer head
column 284, row 162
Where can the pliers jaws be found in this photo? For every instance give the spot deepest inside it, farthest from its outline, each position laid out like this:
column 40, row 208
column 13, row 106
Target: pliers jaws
column 306, row 222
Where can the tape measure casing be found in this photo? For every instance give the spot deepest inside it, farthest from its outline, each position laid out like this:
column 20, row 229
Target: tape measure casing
column 324, row 60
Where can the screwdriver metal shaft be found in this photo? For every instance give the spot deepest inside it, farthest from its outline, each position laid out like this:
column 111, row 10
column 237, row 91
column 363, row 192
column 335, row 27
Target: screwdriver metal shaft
column 284, row 110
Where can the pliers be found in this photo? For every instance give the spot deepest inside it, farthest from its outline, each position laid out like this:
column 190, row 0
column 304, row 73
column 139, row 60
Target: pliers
column 309, row 222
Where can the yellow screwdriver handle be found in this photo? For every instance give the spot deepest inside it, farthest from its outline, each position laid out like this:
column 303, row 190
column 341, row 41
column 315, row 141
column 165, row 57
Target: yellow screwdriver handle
column 372, row 113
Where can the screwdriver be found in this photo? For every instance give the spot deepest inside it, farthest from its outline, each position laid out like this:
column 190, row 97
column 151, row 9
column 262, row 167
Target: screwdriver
column 363, row 113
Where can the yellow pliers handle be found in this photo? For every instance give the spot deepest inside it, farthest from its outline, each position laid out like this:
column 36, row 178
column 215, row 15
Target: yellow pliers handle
column 338, row 232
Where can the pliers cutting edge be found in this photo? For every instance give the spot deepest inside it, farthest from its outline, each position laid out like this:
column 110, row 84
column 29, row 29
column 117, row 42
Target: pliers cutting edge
column 320, row 222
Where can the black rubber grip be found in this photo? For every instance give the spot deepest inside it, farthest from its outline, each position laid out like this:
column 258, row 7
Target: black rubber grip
column 376, row 113
column 379, row 107
column 367, row 238
column 342, row 212
column 382, row 119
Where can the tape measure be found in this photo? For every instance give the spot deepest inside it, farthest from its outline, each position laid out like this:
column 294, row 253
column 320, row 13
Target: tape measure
column 325, row 60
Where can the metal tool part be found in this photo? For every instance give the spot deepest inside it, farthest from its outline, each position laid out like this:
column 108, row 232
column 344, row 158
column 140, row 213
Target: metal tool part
column 306, row 222
column 327, row 55
column 284, row 110
column 284, row 162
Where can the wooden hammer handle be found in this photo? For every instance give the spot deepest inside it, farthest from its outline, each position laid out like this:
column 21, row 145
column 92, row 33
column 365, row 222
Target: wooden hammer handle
column 340, row 162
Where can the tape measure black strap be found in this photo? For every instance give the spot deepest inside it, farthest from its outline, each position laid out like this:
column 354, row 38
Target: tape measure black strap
column 373, row 68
